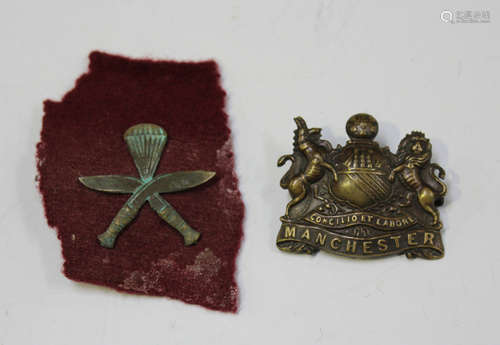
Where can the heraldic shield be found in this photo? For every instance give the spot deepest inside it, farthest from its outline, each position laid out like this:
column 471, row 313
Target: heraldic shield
column 361, row 200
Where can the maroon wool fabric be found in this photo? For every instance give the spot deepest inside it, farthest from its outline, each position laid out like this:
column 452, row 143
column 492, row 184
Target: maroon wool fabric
column 83, row 136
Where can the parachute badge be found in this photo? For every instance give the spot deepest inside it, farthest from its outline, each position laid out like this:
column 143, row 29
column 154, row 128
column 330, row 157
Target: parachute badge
column 146, row 143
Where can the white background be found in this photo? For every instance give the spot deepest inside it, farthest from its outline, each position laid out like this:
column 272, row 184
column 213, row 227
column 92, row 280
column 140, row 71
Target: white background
column 324, row 60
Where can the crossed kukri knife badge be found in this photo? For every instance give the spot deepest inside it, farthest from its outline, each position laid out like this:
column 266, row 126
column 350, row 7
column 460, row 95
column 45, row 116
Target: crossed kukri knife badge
column 146, row 143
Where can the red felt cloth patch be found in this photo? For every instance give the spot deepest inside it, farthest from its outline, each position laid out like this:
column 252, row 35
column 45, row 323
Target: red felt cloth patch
column 83, row 136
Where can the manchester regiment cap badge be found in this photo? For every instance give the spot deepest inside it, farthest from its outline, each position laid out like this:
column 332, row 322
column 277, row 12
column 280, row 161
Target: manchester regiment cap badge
column 361, row 200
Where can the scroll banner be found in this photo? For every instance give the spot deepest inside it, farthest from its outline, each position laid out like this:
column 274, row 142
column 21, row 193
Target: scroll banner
column 351, row 219
column 393, row 243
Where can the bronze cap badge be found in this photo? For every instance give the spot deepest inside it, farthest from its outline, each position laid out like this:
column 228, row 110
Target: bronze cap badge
column 361, row 200
column 146, row 142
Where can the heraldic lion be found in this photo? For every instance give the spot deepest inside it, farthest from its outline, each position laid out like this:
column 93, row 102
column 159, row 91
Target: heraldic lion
column 417, row 173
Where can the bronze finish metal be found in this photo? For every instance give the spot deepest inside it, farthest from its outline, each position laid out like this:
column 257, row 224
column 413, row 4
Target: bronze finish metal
column 361, row 200
column 146, row 143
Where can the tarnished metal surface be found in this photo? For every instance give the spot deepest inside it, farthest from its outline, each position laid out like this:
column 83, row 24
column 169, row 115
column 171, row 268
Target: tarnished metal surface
column 146, row 143
column 361, row 200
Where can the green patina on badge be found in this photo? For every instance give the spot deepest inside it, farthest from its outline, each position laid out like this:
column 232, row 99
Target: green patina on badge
column 146, row 143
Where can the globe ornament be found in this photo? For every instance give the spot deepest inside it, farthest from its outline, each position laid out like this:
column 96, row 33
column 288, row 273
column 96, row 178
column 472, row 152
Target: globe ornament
column 363, row 177
column 362, row 126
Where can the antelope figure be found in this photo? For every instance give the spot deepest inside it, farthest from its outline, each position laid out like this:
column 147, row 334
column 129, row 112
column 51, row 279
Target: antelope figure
column 302, row 174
